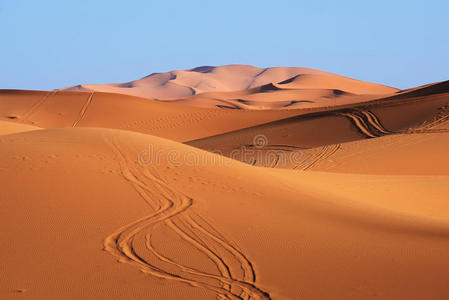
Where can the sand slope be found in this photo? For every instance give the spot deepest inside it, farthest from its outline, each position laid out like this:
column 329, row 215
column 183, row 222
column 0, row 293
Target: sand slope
column 13, row 127
column 77, row 109
column 199, row 231
column 318, row 135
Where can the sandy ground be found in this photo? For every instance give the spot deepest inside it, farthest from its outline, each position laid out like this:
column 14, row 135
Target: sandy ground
column 112, row 196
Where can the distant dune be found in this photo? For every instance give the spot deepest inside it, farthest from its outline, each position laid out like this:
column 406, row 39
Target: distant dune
column 183, row 83
column 240, row 86
column 239, row 183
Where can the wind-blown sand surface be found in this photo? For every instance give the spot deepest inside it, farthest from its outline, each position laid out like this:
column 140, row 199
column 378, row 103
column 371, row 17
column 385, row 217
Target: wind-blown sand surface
column 112, row 196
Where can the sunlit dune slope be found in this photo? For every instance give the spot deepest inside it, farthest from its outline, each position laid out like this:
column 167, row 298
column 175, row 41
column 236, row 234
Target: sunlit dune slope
column 322, row 135
column 246, row 87
column 13, row 127
column 300, row 91
column 77, row 109
column 182, row 83
column 102, row 204
column 419, row 154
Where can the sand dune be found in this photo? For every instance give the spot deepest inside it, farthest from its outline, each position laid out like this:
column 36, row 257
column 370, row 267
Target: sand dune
column 240, row 86
column 342, row 194
column 300, row 91
column 11, row 127
column 77, row 109
column 182, row 83
column 169, row 221
column 319, row 134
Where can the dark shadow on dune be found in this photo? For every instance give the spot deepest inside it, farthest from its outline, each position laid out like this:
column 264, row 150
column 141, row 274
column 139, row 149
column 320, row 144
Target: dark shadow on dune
column 289, row 80
column 227, row 106
column 338, row 92
column 127, row 85
column 428, row 89
column 203, row 69
column 268, row 87
column 298, row 101
column 156, row 73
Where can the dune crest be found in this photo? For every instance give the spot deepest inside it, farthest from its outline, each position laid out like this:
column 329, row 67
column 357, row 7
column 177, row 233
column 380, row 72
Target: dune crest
column 192, row 87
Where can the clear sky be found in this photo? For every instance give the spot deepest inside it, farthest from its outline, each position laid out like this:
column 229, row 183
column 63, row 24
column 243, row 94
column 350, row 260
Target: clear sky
column 47, row 44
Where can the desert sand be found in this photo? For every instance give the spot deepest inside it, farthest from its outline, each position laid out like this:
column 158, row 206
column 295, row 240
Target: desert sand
column 229, row 182
column 243, row 87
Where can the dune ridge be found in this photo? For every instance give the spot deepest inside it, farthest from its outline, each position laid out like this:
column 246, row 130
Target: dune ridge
column 182, row 83
column 209, row 86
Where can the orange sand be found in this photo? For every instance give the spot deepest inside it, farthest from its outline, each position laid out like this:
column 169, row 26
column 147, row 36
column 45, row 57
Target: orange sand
column 112, row 196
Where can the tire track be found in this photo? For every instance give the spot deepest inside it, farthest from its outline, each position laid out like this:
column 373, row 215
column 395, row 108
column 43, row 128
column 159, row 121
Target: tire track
column 245, row 264
column 172, row 209
column 324, row 153
column 167, row 260
column 330, row 150
column 121, row 242
column 360, row 124
column 441, row 118
column 84, row 109
column 269, row 155
column 374, row 121
column 366, row 122
column 38, row 104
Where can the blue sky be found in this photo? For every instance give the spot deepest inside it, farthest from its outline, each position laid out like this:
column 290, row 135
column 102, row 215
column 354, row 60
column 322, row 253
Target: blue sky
column 50, row 44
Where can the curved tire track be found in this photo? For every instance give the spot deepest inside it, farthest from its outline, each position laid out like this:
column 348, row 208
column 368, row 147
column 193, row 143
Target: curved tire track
column 172, row 209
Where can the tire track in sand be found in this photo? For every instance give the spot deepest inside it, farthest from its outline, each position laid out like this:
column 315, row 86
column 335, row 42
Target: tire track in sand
column 173, row 210
column 37, row 105
column 311, row 160
column 360, row 124
column 366, row 122
column 428, row 127
column 374, row 121
column 84, row 109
